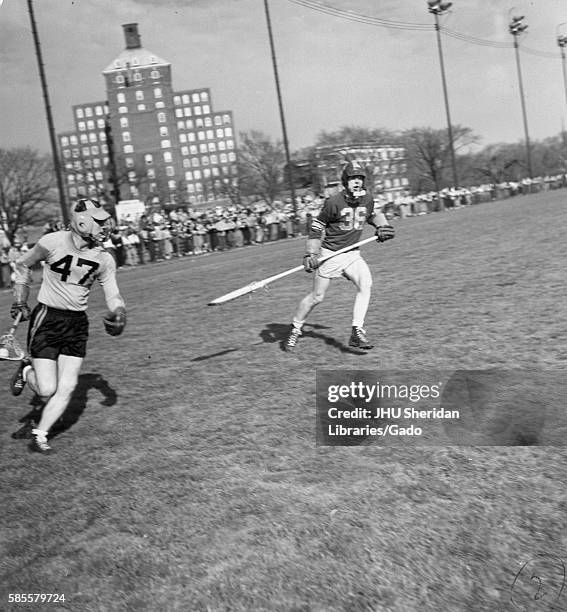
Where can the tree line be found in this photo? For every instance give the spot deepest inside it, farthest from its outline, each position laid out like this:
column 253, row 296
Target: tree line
column 27, row 179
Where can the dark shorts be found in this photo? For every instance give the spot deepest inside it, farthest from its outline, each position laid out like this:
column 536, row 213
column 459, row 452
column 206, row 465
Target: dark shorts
column 53, row 332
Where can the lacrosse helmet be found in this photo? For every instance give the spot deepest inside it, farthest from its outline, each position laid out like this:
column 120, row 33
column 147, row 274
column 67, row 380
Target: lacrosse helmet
column 353, row 168
column 90, row 221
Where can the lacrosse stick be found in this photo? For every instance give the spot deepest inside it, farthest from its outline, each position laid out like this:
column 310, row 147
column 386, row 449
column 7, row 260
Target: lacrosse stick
column 10, row 348
column 254, row 286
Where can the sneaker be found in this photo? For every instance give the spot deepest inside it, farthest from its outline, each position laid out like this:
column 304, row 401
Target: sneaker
column 25, row 431
column 39, row 443
column 292, row 338
column 358, row 339
column 18, row 383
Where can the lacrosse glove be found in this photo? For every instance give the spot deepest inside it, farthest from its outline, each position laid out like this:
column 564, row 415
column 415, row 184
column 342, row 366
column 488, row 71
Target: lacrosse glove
column 20, row 308
column 385, row 232
column 115, row 322
column 310, row 262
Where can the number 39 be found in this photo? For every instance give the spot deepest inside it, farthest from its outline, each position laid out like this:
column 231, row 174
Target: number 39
column 352, row 218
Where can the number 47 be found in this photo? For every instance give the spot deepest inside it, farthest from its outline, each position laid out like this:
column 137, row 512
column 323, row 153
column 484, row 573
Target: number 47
column 64, row 266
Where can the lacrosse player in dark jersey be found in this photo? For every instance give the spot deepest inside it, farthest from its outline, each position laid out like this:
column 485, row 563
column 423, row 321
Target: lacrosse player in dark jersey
column 58, row 325
column 338, row 225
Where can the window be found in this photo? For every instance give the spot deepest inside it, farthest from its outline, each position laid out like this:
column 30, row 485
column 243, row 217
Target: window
column 102, row 136
column 151, row 173
column 188, row 176
column 226, row 118
column 96, row 163
column 90, row 125
column 223, row 158
column 197, row 175
column 92, row 137
column 184, row 150
column 187, row 111
column 187, row 164
column 121, row 98
column 165, row 144
column 232, row 156
column 129, row 162
column 181, row 125
column 98, row 175
column 230, row 144
column 169, row 171
column 214, row 159
column 126, row 137
column 134, row 191
column 204, row 96
column 197, row 110
column 179, row 112
column 161, row 117
column 172, row 185
column 128, row 149
column 85, row 151
column 210, row 134
column 88, row 111
column 83, row 138
column 212, row 146
column 154, row 74
column 206, row 172
column 119, row 79
column 185, row 99
column 222, row 146
column 81, row 125
column 160, row 104
column 220, row 133
column 122, row 109
column 98, row 110
column 208, row 122
column 79, row 113
column 199, row 122
column 139, row 94
column 177, row 100
column 100, row 123
column 167, row 157
column 131, row 176
column 72, row 192
column 137, row 76
column 191, row 137
column 218, row 120
column 64, row 141
column 73, row 139
column 203, row 148
column 195, row 162
column 195, row 98
column 206, row 109
column 205, row 160
column 141, row 107
column 182, row 137
column 123, row 122
column 157, row 92
column 201, row 135
column 163, row 131
column 149, row 158
column 71, row 179
column 189, row 124
column 228, row 131
column 94, row 150
column 104, row 149
column 193, row 149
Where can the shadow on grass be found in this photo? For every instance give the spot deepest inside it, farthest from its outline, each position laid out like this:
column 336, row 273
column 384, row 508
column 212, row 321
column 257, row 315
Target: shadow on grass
column 278, row 332
column 77, row 404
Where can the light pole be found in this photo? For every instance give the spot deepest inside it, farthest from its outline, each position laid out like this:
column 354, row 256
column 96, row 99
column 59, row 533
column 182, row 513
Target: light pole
column 516, row 28
column 280, row 104
column 562, row 42
column 438, row 8
column 54, row 151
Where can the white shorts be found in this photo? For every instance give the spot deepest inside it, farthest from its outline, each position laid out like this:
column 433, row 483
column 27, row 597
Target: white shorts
column 336, row 266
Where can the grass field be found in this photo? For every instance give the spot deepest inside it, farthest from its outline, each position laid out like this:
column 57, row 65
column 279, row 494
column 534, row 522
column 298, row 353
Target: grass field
column 187, row 477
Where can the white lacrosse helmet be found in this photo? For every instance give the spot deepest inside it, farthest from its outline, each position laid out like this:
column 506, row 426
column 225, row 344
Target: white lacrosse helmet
column 90, row 221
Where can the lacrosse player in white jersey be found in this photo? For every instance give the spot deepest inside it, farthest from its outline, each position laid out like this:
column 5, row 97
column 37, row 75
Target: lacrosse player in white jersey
column 58, row 325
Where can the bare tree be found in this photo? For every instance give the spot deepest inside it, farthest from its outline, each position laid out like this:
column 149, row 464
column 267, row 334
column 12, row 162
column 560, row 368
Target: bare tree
column 261, row 164
column 27, row 181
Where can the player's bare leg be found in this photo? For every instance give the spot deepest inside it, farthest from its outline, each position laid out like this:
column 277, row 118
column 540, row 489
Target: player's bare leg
column 359, row 274
column 68, row 369
column 307, row 304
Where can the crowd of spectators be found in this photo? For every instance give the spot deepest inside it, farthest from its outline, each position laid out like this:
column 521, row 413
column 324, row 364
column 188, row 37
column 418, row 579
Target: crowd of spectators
column 162, row 235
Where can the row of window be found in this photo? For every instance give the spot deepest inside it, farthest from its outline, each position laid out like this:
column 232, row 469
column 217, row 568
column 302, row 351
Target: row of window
column 139, row 94
column 82, row 139
column 189, row 111
column 140, row 107
column 206, row 135
column 85, row 151
column 190, row 124
column 88, row 111
column 90, row 124
column 196, row 97
column 134, row 61
column 166, row 144
column 137, row 76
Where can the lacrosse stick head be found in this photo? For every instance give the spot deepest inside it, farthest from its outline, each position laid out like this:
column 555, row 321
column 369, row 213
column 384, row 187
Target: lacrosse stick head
column 10, row 348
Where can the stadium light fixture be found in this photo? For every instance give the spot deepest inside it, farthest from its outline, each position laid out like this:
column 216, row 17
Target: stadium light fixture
column 438, row 9
column 517, row 27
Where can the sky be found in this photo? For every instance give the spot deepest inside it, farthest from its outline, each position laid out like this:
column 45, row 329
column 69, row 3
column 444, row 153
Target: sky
column 333, row 71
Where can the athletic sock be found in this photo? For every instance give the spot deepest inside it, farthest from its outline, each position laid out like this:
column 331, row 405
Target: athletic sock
column 25, row 372
column 298, row 324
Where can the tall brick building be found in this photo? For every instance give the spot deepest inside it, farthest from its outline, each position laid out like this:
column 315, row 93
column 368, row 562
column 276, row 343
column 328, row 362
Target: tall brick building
column 147, row 141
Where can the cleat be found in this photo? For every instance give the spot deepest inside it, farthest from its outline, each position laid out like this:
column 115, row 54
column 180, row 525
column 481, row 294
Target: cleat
column 358, row 339
column 39, row 444
column 18, row 383
column 25, row 431
column 292, row 338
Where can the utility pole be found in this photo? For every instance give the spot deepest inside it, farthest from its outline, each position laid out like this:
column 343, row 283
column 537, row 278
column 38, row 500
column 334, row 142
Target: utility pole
column 54, row 150
column 437, row 8
column 280, row 104
column 562, row 42
column 516, row 27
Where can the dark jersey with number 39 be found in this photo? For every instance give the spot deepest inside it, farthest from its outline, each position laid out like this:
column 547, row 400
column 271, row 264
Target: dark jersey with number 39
column 69, row 272
column 342, row 222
